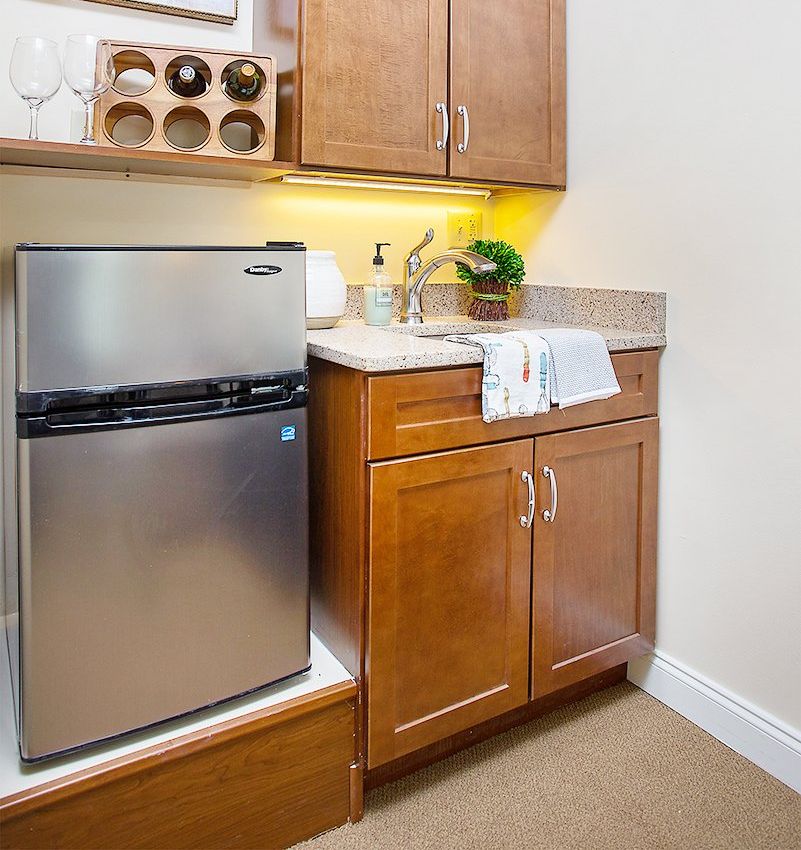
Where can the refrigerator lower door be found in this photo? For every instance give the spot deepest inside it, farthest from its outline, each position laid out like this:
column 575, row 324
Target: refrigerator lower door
column 162, row 569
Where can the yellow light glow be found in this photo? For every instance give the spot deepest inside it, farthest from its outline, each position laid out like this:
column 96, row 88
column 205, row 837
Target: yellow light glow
column 349, row 183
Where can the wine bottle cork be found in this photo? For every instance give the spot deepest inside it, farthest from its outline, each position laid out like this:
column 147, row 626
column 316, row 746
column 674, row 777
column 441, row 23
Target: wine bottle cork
column 246, row 73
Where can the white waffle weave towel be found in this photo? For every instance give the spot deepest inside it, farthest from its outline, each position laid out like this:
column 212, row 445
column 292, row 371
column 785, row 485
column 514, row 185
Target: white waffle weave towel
column 516, row 374
column 580, row 366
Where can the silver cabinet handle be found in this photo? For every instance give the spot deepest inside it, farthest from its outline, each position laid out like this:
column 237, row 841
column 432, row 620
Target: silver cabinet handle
column 550, row 515
column 446, row 126
column 462, row 146
column 526, row 521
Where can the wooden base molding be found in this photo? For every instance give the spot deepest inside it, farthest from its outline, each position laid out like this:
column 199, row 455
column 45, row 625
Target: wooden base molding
column 470, row 737
column 265, row 780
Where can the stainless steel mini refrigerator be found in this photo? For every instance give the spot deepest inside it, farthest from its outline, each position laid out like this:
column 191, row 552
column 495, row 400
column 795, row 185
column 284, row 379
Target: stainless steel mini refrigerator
column 161, row 484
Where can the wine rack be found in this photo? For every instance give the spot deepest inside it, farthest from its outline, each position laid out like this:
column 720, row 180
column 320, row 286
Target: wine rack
column 141, row 111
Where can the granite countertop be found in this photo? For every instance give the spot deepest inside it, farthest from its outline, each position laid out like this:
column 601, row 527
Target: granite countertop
column 395, row 347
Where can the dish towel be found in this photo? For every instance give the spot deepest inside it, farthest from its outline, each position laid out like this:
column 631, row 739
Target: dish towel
column 516, row 374
column 580, row 366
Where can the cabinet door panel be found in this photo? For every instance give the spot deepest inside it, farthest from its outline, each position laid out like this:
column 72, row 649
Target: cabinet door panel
column 508, row 69
column 373, row 72
column 449, row 595
column 594, row 565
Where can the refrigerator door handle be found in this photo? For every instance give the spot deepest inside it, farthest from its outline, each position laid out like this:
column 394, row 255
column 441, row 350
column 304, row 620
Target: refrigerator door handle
column 47, row 402
column 112, row 418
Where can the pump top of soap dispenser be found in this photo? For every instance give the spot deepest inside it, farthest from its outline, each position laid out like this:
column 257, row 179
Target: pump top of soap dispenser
column 378, row 260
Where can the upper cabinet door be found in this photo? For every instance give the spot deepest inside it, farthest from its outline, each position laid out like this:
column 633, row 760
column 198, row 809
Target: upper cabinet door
column 594, row 551
column 508, row 88
column 373, row 73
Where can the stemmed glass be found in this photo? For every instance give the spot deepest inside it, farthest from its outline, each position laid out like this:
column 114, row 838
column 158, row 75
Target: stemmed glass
column 35, row 73
column 89, row 72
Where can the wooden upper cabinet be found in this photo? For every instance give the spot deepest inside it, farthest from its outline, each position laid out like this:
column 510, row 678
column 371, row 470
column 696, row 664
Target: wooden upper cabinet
column 508, row 71
column 373, row 72
column 595, row 563
column 449, row 595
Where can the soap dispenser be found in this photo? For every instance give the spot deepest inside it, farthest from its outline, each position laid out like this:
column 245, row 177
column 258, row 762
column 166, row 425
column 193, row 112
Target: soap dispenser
column 378, row 292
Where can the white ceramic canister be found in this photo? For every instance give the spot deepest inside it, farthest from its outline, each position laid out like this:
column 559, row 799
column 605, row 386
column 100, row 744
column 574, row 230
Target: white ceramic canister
column 326, row 290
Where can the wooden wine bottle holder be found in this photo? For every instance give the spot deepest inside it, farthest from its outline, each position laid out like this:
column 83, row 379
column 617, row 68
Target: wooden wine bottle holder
column 207, row 120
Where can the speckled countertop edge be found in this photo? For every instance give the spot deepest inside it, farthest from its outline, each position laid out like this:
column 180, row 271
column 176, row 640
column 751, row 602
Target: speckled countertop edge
column 396, row 347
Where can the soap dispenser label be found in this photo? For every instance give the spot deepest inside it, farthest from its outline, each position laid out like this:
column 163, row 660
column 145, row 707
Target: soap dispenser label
column 383, row 296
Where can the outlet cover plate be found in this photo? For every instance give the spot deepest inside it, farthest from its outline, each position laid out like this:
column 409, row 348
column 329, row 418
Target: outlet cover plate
column 463, row 228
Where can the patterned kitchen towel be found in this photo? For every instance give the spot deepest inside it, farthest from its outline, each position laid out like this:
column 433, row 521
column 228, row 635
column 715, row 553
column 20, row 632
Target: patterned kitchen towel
column 580, row 366
column 516, row 375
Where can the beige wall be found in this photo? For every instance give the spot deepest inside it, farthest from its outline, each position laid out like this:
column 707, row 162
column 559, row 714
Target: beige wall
column 684, row 174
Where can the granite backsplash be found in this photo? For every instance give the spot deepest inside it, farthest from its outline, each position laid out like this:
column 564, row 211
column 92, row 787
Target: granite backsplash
column 634, row 310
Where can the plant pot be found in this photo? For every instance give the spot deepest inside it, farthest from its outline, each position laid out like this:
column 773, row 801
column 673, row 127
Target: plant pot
column 490, row 301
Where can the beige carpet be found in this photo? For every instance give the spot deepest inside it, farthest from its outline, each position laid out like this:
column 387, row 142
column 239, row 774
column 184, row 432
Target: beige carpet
column 617, row 770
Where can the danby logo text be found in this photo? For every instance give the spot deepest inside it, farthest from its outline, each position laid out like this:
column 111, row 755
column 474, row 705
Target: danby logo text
column 263, row 269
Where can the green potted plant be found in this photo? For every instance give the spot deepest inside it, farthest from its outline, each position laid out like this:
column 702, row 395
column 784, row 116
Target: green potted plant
column 490, row 290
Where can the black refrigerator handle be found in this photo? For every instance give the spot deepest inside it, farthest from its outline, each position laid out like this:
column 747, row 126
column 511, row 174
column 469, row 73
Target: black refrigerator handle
column 263, row 400
column 45, row 402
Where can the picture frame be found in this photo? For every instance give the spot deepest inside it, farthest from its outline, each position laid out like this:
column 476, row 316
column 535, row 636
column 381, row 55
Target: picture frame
column 217, row 11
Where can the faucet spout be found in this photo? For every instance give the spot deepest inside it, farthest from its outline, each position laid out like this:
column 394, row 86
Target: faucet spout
column 417, row 273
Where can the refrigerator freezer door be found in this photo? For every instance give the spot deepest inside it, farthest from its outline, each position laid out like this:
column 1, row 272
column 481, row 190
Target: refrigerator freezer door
column 94, row 317
column 162, row 569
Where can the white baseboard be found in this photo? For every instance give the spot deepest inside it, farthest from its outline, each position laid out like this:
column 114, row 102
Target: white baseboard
column 761, row 738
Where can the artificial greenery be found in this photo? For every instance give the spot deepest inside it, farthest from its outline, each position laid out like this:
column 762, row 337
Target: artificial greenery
column 510, row 268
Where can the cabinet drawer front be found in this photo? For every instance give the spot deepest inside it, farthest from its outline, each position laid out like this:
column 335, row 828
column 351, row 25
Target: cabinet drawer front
column 449, row 596
column 427, row 411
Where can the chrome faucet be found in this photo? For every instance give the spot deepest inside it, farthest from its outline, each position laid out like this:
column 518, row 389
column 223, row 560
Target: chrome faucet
column 416, row 273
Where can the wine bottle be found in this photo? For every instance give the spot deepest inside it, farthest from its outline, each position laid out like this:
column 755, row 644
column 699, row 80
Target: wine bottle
column 244, row 83
column 186, row 82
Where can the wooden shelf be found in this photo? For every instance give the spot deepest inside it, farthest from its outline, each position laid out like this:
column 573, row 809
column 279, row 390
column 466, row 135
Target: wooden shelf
column 73, row 157
column 87, row 158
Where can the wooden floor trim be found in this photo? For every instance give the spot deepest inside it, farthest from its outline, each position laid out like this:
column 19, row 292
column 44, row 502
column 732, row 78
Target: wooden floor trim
column 30, row 799
column 267, row 779
column 537, row 708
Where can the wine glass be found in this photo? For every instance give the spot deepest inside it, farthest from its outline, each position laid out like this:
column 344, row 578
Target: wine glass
column 35, row 73
column 89, row 72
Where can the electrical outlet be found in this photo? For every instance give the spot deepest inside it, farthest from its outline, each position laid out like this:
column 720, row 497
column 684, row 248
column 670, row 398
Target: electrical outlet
column 463, row 228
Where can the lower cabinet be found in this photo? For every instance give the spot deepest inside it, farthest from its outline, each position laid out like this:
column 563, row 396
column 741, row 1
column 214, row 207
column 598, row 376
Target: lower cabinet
column 463, row 623
column 430, row 582
column 594, row 551
column 449, row 576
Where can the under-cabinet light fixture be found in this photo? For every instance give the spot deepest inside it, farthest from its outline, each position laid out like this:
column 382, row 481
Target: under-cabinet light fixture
column 346, row 182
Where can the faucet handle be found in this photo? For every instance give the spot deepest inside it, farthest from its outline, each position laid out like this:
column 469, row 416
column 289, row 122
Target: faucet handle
column 426, row 239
